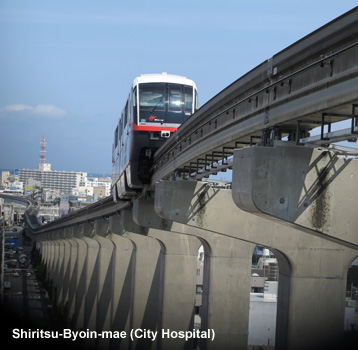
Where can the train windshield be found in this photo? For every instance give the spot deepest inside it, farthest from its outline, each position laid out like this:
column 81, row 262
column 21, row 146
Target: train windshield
column 152, row 97
column 165, row 103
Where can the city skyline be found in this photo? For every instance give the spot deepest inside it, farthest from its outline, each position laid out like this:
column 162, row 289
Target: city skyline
column 67, row 66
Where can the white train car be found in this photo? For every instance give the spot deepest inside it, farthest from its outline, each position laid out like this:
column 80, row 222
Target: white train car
column 156, row 106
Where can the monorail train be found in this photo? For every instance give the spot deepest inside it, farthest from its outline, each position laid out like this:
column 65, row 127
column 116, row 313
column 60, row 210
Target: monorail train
column 156, row 106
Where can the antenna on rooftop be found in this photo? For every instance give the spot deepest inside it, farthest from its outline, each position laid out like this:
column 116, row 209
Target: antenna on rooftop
column 42, row 153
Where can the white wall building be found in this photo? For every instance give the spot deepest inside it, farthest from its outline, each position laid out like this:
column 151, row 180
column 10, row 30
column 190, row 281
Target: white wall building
column 262, row 321
column 64, row 181
column 88, row 183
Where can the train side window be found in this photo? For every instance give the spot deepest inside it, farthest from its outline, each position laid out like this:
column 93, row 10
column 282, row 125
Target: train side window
column 134, row 101
column 116, row 137
column 188, row 99
column 120, row 129
column 126, row 114
column 175, row 98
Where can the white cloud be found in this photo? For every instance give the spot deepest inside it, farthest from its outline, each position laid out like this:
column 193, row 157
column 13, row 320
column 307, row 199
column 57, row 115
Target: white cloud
column 40, row 111
column 16, row 108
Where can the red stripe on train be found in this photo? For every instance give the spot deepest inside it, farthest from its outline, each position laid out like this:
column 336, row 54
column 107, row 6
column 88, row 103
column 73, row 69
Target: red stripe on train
column 135, row 127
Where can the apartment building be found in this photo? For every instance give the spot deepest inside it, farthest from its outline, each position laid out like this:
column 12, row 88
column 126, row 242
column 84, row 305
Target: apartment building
column 63, row 181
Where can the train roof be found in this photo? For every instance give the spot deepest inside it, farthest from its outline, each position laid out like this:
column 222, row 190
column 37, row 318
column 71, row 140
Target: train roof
column 163, row 78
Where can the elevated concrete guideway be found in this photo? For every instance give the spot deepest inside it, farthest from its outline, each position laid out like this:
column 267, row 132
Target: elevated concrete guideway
column 130, row 265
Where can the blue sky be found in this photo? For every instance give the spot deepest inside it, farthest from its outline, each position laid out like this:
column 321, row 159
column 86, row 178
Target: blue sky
column 66, row 66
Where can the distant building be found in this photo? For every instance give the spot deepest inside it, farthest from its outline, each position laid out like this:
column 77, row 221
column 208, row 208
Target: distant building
column 4, row 177
column 64, row 205
column 199, row 288
column 262, row 320
column 63, row 181
column 48, row 213
column 90, row 184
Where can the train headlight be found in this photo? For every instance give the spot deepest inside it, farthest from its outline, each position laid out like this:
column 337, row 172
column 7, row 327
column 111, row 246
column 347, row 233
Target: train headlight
column 165, row 134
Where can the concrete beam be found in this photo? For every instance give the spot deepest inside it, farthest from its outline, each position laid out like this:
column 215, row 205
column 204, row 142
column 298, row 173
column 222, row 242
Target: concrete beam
column 309, row 188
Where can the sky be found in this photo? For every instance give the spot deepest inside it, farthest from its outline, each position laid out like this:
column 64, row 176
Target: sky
column 66, row 66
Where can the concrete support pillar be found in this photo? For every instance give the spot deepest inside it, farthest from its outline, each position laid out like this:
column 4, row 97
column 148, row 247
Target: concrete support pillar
column 44, row 250
column 311, row 300
column 227, row 277
column 72, row 283
column 123, row 284
column 227, row 274
column 49, row 258
column 179, row 285
column 54, row 267
column 64, row 274
column 91, row 282
column 148, row 281
column 41, row 246
column 148, row 287
column 68, row 235
column 105, row 270
column 59, row 272
column 79, row 283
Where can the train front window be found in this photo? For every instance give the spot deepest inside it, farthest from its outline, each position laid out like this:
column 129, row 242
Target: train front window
column 174, row 98
column 152, row 97
column 188, row 99
column 164, row 103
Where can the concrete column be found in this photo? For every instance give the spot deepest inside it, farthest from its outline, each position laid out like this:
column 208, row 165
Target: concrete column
column 59, row 267
column 66, row 270
column 91, row 283
column 79, row 283
column 179, row 285
column 55, row 266
column 44, row 250
column 123, row 284
column 148, row 281
column 41, row 246
column 105, row 280
column 311, row 300
column 72, row 283
column 181, row 256
column 64, row 273
column 50, row 259
column 226, row 294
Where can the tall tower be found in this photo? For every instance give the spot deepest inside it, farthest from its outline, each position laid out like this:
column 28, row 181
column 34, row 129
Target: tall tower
column 42, row 153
